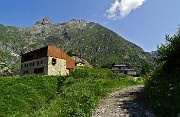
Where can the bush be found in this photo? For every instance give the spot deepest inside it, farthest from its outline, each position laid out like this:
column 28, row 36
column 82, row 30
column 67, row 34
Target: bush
column 163, row 88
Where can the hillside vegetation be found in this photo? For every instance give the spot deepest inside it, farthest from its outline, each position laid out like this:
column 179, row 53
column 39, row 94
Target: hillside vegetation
column 98, row 45
column 163, row 88
column 8, row 64
column 56, row 96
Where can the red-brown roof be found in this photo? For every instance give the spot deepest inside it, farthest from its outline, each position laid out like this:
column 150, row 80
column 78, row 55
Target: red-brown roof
column 58, row 53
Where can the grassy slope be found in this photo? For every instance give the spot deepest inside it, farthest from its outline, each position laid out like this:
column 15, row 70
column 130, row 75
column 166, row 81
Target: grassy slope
column 24, row 95
column 74, row 96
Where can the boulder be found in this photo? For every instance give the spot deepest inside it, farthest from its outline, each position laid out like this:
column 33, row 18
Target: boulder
column 44, row 21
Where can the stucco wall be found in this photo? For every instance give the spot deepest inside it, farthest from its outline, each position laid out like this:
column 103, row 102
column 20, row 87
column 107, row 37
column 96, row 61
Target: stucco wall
column 59, row 68
column 79, row 64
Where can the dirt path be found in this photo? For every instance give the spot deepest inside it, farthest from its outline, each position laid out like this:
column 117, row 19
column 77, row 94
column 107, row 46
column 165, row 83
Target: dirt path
column 127, row 102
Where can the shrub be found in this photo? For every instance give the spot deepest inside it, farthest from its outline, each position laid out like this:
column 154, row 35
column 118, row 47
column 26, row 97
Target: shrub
column 163, row 88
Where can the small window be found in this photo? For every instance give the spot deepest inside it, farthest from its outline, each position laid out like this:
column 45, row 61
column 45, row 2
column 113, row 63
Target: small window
column 41, row 61
column 30, row 64
column 39, row 70
column 33, row 64
column 53, row 61
column 24, row 65
column 21, row 66
column 37, row 62
column 27, row 65
column 26, row 71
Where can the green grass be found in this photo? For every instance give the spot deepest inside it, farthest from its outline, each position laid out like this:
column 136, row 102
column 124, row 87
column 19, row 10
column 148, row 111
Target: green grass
column 74, row 96
column 22, row 96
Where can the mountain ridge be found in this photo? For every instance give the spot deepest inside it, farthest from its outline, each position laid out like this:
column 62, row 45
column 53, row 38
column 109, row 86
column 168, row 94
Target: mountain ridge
column 97, row 44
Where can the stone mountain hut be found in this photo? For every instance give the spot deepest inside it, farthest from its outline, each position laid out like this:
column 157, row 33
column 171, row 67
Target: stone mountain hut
column 48, row 60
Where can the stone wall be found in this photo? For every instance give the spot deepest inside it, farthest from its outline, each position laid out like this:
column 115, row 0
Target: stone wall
column 57, row 68
column 30, row 66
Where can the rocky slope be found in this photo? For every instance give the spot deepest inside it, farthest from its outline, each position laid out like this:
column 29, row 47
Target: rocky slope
column 91, row 41
column 9, row 63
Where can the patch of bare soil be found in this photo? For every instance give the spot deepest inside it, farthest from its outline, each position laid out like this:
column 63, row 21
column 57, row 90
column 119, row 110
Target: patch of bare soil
column 127, row 102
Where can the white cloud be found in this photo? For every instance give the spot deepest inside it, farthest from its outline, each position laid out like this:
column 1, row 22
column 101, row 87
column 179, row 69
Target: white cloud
column 121, row 8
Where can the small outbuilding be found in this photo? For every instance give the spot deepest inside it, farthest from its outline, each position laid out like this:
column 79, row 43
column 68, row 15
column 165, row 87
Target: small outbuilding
column 123, row 68
column 48, row 60
column 79, row 64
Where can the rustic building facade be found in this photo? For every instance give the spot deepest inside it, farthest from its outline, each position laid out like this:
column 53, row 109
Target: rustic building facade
column 48, row 60
column 123, row 68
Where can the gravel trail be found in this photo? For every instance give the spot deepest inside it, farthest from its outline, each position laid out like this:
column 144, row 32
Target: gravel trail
column 127, row 102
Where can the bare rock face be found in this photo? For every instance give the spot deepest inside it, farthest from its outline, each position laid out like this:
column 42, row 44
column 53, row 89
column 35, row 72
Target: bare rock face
column 41, row 26
column 44, row 21
column 77, row 24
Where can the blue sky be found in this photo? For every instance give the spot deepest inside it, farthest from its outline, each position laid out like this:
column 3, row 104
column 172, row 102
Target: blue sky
column 143, row 22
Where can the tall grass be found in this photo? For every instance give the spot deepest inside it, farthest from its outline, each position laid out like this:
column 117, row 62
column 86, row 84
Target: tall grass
column 74, row 96
column 20, row 96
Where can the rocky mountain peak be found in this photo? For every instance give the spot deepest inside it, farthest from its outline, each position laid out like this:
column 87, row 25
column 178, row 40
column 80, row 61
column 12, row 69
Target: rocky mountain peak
column 44, row 21
column 79, row 24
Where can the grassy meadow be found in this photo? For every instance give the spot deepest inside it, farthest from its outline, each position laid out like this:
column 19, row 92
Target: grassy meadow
column 74, row 96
